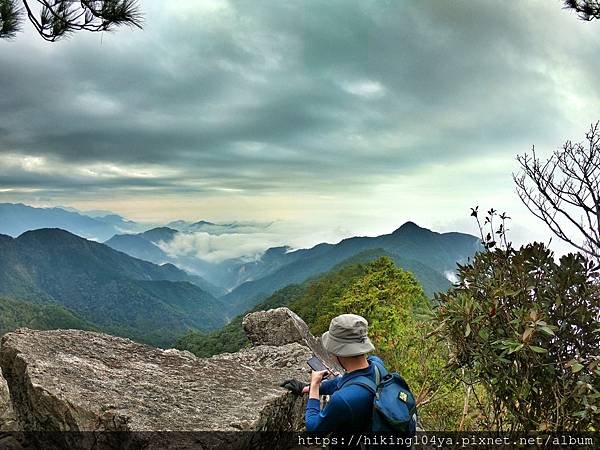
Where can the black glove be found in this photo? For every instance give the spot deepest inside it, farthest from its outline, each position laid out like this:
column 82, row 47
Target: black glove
column 294, row 385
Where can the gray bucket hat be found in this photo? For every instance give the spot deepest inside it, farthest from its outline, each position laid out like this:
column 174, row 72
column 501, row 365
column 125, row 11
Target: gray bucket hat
column 347, row 336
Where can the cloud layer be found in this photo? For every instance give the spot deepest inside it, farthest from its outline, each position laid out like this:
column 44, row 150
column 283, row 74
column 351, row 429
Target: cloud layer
column 370, row 108
column 248, row 240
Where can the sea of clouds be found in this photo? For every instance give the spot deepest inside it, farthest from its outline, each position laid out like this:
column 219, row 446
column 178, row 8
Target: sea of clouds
column 247, row 240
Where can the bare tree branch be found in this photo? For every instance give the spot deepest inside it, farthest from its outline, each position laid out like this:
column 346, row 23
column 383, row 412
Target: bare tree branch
column 565, row 190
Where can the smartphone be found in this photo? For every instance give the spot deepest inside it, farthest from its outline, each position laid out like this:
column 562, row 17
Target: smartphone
column 316, row 364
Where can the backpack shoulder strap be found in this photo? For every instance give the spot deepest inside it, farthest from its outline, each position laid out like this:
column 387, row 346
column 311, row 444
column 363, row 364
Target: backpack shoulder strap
column 380, row 371
column 367, row 382
column 363, row 381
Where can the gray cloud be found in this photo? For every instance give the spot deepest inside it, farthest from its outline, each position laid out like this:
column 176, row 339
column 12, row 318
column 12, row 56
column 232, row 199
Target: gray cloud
column 302, row 96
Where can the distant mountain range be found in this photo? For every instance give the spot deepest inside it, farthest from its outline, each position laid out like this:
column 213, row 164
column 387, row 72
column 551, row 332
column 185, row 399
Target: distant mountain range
column 15, row 219
column 136, row 283
column 106, row 288
column 429, row 255
column 146, row 246
column 204, row 226
column 224, row 276
column 135, row 239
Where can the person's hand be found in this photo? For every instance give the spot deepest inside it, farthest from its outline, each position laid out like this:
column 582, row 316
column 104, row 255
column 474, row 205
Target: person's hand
column 315, row 382
column 297, row 387
column 317, row 376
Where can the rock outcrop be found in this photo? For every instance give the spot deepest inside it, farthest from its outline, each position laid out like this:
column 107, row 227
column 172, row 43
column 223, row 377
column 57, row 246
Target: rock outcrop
column 274, row 327
column 80, row 381
column 282, row 326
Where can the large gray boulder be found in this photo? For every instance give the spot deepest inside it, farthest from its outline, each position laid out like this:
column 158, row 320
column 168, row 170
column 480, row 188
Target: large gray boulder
column 275, row 327
column 281, row 326
column 69, row 380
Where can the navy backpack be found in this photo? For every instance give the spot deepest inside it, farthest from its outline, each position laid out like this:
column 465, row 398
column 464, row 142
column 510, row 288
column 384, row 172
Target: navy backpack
column 394, row 406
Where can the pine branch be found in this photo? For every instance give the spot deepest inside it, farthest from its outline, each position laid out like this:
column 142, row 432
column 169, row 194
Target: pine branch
column 10, row 19
column 55, row 19
column 586, row 9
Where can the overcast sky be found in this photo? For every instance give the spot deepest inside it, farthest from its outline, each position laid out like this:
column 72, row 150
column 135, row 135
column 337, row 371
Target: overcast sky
column 347, row 117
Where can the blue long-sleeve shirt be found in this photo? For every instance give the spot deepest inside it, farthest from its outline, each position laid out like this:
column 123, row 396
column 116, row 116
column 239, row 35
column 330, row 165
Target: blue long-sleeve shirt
column 349, row 409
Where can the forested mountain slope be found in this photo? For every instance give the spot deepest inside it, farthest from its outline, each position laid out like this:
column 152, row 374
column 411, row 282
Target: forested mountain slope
column 107, row 288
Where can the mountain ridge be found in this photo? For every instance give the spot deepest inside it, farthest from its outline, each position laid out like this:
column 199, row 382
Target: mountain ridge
column 107, row 288
column 278, row 266
column 439, row 251
column 17, row 218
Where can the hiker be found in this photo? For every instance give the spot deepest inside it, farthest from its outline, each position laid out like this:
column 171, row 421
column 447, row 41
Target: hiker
column 350, row 408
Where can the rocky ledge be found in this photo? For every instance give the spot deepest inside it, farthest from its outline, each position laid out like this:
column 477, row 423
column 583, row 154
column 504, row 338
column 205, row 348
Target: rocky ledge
column 70, row 380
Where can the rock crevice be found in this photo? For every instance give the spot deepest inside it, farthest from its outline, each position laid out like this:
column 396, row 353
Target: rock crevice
column 7, row 416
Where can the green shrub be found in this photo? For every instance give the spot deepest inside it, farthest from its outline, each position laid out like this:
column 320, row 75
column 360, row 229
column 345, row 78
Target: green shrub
column 525, row 328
